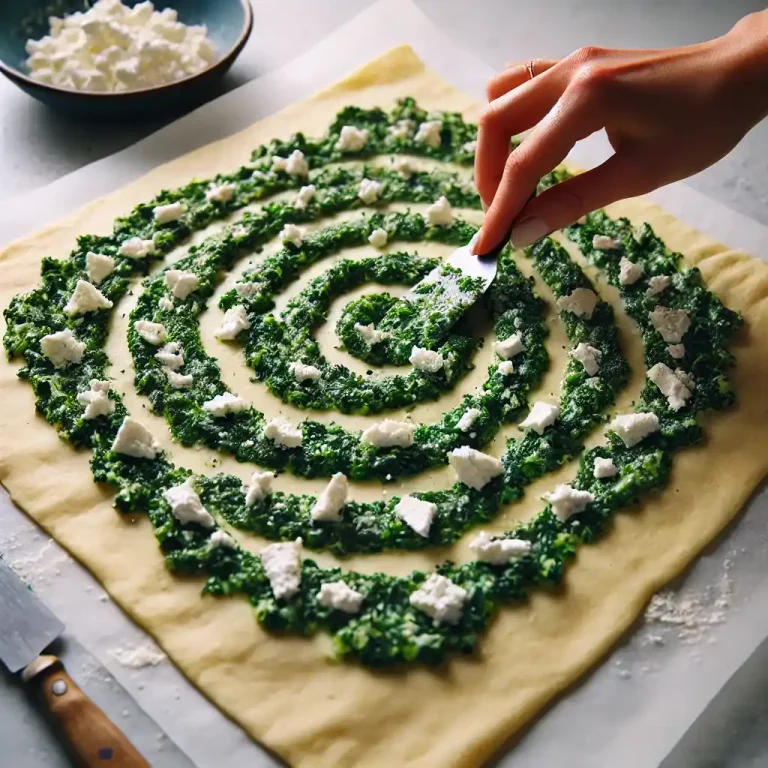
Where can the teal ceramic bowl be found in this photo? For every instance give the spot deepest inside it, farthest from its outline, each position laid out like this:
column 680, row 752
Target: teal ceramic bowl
column 229, row 25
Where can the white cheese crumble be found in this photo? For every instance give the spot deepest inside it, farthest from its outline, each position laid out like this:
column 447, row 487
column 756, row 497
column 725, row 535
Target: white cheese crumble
column 165, row 303
column 136, row 248
column 283, row 433
column 134, row 439
column 294, row 165
column 179, row 380
column 429, row 133
column 166, row 213
column 153, row 333
column 509, row 347
column 468, row 419
column 416, row 513
column 181, row 283
column 581, row 302
column 541, row 416
column 440, row 212
column 62, row 348
column 221, row 539
column 401, row 130
column 686, row 378
column 470, row 147
column 96, row 400
column 657, row 284
column 339, row 596
column 171, row 355
column 259, row 487
column 440, row 598
column 676, row 351
column 425, row 359
column 302, row 372
column 378, row 238
column 352, row 139
column 282, row 565
column 331, row 500
column 86, row 298
column 669, row 385
column 235, row 321
column 220, row 193
column 588, row 356
column 224, row 404
column 98, row 267
column 672, row 324
column 369, row 190
column 634, row 427
column 248, row 289
column 506, row 368
column 604, row 468
column 305, row 196
column 498, row 551
column 605, row 243
column 629, row 271
column 566, row 501
column 370, row 334
column 389, row 434
column 186, row 505
column 291, row 234
column 473, row 468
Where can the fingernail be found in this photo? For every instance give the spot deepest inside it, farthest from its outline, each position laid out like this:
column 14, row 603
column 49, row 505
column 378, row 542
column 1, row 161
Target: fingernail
column 473, row 242
column 528, row 231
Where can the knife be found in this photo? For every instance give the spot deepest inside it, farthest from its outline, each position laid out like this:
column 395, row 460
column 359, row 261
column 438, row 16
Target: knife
column 27, row 628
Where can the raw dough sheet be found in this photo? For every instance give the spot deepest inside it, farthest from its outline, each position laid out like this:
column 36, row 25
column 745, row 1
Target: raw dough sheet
column 348, row 715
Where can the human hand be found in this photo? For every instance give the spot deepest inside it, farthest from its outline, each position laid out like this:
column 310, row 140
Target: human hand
column 668, row 114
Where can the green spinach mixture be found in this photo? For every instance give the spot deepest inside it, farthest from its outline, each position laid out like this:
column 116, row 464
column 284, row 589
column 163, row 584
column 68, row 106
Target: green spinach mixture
column 389, row 620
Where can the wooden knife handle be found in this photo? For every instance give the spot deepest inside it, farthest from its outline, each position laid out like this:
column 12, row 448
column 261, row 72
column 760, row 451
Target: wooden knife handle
column 93, row 738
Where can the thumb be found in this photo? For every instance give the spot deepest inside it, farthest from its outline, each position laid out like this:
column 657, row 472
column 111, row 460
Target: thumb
column 622, row 175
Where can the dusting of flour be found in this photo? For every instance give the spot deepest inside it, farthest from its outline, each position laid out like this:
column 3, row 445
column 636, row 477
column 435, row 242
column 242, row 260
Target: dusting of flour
column 147, row 655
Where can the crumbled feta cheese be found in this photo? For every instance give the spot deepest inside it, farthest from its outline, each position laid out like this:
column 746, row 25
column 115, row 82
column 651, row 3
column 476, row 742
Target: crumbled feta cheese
column 594, row 382
column 181, row 283
column 440, row 212
column 282, row 565
column 677, row 351
column 331, row 500
column 136, row 248
column 224, row 404
column 220, row 193
column 246, row 290
column 259, row 487
column 416, row 513
column 581, row 302
column 473, row 468
column 629, row 271
column 302, row 372
column 588, row 356
column 98, row 267
column 404, row 167
column 378, row 238
column 62, row 348
column 153, row 333
column 294, row 165
column 470, row 147
column 506, row 368
column 634, row 427
column 278, row 163
column 370, row 334
column 509, row 347
column 86, row 298
column 235, row 321
column 221, row 539
column 401, row 130
column 657, row 284
column 426, row 359
column 171, row 355
column 541, row 416
column 352, row 139
column 388, row 434
column 171, row 212
column 498, row 551
column 186, row 505
column 566, row 501
column 429, row 133
column 369, row 190
column 440, row 598
column 96, row 400
column 468, row 419
column 305, row 196
column 179, row 380
column 340, row 597
column 672, row 324
column 134, row 439
column 686, row 378
column 605, row 243
column 284, row 434
column 604, row 468
column 291, row 234
column 669, row 385
column 165, row 304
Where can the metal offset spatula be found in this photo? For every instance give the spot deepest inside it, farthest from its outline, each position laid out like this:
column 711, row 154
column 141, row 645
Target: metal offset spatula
column 27, row 628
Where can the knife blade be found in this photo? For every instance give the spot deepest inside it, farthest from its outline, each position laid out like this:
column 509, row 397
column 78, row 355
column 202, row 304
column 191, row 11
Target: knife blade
column 27, row 628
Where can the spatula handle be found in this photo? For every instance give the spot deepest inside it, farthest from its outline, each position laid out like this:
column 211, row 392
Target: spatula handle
column 93, row 738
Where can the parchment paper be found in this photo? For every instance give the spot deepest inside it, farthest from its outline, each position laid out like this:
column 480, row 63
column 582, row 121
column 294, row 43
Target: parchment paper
column 633, row 709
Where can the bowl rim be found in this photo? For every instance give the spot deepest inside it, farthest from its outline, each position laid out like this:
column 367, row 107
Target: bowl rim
column 17, row 75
